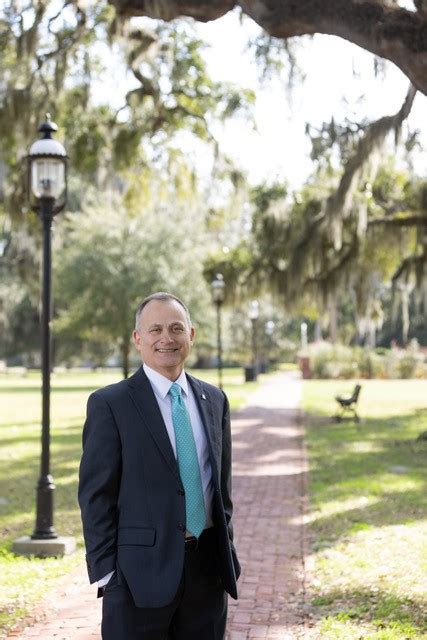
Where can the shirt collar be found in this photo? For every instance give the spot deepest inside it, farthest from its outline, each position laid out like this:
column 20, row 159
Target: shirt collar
column 161, row 384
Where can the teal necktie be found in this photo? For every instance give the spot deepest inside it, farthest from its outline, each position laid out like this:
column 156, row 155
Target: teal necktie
column 188, row 463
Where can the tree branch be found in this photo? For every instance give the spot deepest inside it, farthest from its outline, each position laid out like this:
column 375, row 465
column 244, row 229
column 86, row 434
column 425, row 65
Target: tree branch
column 399, row 221
column 338, row 205
column 165, row 10
column 63, row 44
column 405, row 267
column 347, row 253
column 388, row 31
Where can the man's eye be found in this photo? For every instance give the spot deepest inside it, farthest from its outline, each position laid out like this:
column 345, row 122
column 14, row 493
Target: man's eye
column 155, row 330
column 178, row 329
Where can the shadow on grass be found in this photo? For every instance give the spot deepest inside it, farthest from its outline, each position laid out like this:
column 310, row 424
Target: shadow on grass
column 20, row 518
column 55, row 389
column 59, row 438
column 379, row 607
column 24, row 424
column 20, row 477
column 380, row 460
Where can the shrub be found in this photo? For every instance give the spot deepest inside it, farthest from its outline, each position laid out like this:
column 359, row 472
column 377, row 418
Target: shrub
column 332, row 361
column 371, row 364
column 338, row 361
column 407, row 366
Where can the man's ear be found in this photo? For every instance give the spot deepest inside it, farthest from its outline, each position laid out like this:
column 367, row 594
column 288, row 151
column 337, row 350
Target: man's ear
column 136, row 338
column 192, row 334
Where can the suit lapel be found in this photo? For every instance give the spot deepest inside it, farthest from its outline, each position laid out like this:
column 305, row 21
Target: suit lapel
column 145, row 401
column 211, row 426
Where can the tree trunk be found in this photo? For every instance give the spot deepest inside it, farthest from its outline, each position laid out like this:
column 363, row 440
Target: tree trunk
column 125, row 356
column 388, row 31
column 371, row 334
column 317, row 331
column 405, row 314
column 333, row 323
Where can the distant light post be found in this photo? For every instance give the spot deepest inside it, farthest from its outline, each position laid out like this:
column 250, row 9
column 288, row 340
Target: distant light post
column 269, row 330
column 253, row 317
column 218, row 294
column 47, row 182
column 4, row 241
column 304, row 339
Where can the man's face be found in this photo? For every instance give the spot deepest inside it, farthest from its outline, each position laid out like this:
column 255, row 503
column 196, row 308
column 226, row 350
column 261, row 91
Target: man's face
column 164, row 337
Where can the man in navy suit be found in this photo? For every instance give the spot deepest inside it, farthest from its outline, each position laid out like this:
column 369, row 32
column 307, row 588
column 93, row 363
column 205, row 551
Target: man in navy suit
column 143, row 489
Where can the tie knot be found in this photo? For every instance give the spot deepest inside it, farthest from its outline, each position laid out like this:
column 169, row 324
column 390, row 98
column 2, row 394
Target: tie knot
column 175, row 390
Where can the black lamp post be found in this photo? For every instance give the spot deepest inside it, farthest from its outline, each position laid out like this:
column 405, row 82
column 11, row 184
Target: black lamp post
column 218, row 286
column 47, row 177
column 253, row 317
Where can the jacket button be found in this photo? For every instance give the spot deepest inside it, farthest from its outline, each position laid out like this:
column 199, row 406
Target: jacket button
column 181, row 527
column 181, row 492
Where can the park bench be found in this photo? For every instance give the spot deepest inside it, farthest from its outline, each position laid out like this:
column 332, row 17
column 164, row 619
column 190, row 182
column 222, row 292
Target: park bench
column 348, row 404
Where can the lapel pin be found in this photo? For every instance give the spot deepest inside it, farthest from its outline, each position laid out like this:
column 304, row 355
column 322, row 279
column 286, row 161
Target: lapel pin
column 203, row 396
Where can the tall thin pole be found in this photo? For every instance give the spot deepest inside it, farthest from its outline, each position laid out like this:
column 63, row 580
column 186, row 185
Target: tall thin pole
column 254, row 343
column 219, row 343
column 44, row 528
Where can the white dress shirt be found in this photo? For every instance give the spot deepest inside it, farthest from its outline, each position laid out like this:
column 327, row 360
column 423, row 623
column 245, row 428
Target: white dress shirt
column 161, row 386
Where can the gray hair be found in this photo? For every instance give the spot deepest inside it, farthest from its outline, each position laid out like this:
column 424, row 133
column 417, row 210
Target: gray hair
column 162, row 296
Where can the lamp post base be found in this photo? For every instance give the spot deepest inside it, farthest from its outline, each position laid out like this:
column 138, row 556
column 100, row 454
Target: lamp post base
column 61, row 546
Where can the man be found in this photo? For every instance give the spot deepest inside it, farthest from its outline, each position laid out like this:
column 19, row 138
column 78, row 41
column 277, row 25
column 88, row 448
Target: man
column 155, row 490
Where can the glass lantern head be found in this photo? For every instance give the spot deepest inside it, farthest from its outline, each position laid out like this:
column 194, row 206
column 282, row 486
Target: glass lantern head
column 254, row 310
column 218, row 286
column 47, row 168
column 269, row 327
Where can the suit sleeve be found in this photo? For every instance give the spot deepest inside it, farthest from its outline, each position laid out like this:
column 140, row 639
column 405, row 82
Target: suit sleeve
column 226, row 466
column 226, row 479
column 99, row 483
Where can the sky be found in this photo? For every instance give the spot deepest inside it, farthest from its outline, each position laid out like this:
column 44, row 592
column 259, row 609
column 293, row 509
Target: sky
column 339, row 82
column 337, row 74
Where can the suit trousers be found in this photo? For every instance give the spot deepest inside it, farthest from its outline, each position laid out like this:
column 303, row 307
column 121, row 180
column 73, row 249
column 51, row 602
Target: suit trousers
column 197, row 612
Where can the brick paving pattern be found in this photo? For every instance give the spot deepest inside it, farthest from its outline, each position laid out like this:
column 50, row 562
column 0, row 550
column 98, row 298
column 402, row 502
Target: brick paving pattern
column 269, row 492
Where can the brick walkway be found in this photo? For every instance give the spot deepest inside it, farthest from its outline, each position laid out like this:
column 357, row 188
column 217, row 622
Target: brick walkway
column 269, row 493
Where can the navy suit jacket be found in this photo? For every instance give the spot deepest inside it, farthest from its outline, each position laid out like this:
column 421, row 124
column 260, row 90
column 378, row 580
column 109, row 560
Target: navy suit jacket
column 131, row 496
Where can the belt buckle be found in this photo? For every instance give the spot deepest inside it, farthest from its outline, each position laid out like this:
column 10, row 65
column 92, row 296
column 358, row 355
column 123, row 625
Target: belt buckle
column 191, row 544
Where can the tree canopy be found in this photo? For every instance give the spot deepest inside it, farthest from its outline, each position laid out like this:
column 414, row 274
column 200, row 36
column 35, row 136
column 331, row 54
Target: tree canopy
column 341, row 239
column 329, row 249
column 52, row 58
column 144, row 249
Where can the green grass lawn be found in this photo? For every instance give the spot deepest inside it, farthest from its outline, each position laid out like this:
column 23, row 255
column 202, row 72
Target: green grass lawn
column 24, row 581
column 368, row 511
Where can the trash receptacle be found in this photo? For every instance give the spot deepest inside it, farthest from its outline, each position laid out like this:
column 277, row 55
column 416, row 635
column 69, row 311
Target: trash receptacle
column 250, row 373
column 305, row 368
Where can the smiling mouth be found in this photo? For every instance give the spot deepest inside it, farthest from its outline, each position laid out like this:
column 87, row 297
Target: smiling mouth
column 167, row 350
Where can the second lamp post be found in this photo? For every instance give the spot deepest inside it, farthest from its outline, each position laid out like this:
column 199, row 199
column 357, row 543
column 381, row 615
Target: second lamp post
column 218, row 293
column 253, row 317
column 269, row 329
